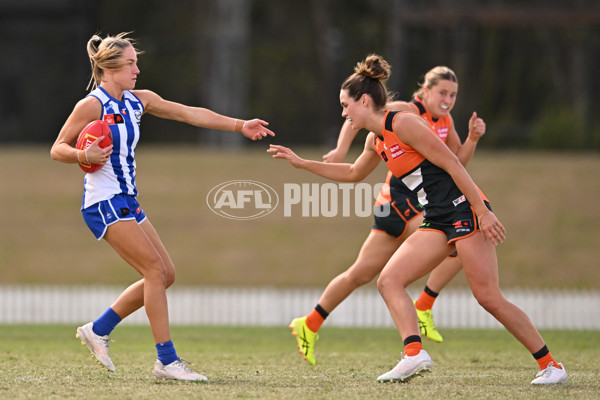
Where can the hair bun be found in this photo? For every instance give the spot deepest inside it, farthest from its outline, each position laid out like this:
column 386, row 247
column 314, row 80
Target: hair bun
column 374, row 67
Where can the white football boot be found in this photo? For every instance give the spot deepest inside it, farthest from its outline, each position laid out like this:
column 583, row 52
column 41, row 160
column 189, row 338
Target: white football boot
column 551, row 375
column 98, row 345
column 408, row 368
column 177, row 370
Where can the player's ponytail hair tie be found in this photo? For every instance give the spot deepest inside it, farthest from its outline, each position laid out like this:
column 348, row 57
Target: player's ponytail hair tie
column 93, row 45
column 370, row 77
column 105, row 54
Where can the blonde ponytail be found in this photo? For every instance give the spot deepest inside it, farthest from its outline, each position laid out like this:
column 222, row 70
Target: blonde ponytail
column 105, row 54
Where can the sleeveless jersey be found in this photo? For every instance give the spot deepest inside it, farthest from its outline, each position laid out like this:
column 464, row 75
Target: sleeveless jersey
column 433, row 186
column 440, row 126
column 117, row 176
column 394, row 188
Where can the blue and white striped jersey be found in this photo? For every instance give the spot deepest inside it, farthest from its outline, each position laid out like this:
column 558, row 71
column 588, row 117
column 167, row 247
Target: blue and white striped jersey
column 117, row 176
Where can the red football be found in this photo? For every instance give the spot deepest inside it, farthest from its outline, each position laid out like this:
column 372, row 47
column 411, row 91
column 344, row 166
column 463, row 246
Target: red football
column 88, row 135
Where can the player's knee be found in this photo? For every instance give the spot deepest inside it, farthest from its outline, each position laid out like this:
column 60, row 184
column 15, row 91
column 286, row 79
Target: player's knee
column 490, row 302
column 381, row 285
column 386, row 282
column 155, row 270
column 170, row 278
column 156, row 275
column 169, row 272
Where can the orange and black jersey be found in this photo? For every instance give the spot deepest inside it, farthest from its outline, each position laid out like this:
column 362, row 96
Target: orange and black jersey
column 394, row 189
column 440, row 126
column 434, row 187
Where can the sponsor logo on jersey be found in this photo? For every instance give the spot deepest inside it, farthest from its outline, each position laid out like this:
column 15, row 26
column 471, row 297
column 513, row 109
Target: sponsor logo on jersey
column 113, row 119
column 442, row 132
column 396, row 151
column 463, row 226
column 461, row 199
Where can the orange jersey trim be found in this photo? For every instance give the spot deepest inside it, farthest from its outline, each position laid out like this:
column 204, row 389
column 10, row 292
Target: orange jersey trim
column 399, row 157
column 440, row 126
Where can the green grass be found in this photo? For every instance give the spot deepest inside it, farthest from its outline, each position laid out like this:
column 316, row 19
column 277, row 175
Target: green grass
column 47, row 362
column 548, row 203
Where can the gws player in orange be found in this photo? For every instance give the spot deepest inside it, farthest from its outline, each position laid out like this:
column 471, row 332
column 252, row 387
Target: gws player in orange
column 399, row 213
column 110, row 208
column 456, row 218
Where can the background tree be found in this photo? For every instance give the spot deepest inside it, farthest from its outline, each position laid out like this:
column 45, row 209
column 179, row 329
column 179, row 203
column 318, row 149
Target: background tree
column 529, row 68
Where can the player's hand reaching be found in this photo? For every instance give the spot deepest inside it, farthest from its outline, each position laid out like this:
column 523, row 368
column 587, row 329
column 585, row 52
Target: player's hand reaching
column 334, row 156
column 285, row 153
column 491, row 228
column 256, row 129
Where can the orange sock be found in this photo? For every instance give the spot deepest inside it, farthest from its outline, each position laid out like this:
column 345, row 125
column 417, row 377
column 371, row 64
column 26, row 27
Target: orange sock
column 314, row 320
column 547, row 359
column 412, row 349
column 424, row 302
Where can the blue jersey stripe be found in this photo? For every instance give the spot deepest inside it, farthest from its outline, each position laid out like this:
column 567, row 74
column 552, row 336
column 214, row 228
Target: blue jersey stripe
column 124, row 119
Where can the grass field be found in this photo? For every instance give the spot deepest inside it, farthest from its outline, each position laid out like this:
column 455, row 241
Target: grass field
column 548, row 203
column 47, row 362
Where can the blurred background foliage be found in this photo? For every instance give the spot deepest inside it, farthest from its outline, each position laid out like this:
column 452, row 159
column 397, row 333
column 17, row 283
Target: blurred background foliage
column 529, row 68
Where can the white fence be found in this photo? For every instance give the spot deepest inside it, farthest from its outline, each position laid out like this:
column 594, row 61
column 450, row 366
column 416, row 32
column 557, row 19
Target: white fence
column 265, row 306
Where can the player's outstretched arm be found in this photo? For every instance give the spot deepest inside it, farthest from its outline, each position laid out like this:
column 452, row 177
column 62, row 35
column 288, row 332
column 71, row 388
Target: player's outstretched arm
column 341, row 172
column 202, row 117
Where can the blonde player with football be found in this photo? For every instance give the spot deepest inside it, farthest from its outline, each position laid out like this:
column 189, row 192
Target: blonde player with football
column 110, row 208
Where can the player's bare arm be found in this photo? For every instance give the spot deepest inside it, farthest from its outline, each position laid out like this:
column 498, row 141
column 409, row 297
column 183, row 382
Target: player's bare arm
column 411, row 132
column 85, row 111
column 345, row 139
column 201, row 117
column 341, row 172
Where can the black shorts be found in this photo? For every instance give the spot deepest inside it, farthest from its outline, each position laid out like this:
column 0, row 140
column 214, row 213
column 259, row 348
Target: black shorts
column 463, row 223
column 393, row 217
